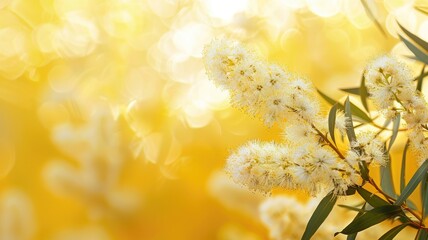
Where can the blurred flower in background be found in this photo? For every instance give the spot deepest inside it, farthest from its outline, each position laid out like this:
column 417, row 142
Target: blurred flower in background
column 112, row 130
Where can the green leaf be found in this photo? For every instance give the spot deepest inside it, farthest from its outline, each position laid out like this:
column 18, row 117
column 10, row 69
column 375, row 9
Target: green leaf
column 370, row 218
column 386, row 182
column 403, row 167
column 355, row 91
column 411, row 204
column 372, row 17
column 349, row 123
column 371, row 198
column 413, row 183
column 422, row 234
column 395, row 128
column 360, row 114
column 319, row 215
column 353, row 236
column 424, row 195
column 350, row 191
column 415, row 38
column 363, row 93
column 420, row 79
column 393, row 232
column 352, row 208
column 421, row 56
column 332, row 121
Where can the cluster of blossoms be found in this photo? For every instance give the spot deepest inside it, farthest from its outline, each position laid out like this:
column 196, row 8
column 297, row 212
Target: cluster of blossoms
column 306, row 159
column 389, row 83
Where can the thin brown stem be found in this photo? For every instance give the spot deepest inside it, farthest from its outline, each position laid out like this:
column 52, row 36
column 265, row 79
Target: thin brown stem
column 328, row 142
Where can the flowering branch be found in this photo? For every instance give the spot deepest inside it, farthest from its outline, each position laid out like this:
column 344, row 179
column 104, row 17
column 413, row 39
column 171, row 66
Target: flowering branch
column 306, row 158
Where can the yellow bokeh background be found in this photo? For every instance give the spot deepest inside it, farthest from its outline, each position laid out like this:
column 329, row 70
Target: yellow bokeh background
column 110, row 129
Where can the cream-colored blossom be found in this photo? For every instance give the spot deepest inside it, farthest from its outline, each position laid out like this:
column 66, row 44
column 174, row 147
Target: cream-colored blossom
column 419, row 144
column 300, row 133
column 369, row 148
column 390, row 84
column 317, row 168
column 264, row 166
column 389, row 81
column 340, row 123
column 261, row 89
column 260, row 166
column 269, row 92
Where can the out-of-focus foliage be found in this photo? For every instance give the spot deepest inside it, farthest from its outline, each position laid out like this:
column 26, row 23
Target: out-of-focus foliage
column 110, row 128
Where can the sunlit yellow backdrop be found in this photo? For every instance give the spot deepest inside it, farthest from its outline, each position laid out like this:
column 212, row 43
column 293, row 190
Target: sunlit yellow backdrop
column 110, row 128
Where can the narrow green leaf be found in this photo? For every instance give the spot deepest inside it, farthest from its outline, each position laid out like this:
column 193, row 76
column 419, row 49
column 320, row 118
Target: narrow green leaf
column 395, row 128
column 363, row 93
column 422, row 10
column 372, row 17
column 355, row 91
column 349, row 123
column 415, row 38
column 353, row 236
column 424, row 195
column 371, row 198
column 421, row 79
column 411, row 204
column 422, row 234
column 393, row 232
column 360, row 114
column 386, row 182
column 351, row 208
column 350, row 191
column 356, row 111
column 350, row 132
column 372, row 217
column 421, row 56
column 403, row 167
column 413, row 183
column 319, row 215
column 332, row 121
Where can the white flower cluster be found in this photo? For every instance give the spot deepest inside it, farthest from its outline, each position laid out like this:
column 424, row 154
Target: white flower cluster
column 390, row 84
column 311, row 167
column 261, row 89
column 306, row 159
column 370, row 150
